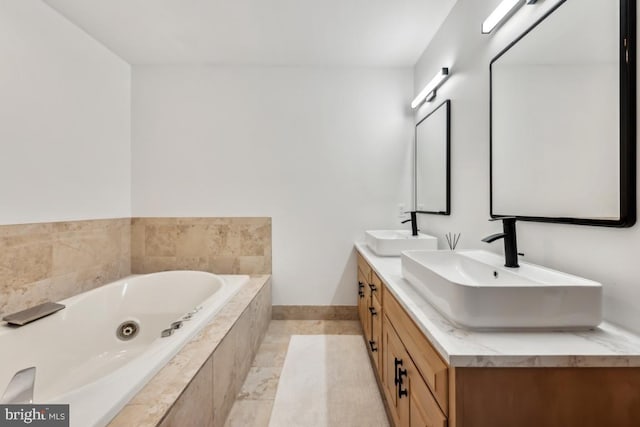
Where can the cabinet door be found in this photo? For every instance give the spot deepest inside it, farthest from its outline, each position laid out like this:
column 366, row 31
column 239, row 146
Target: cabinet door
column 393, row 356
column 423, row 409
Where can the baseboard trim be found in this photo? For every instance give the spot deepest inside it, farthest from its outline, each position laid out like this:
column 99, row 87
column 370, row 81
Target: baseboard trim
column 314, row 312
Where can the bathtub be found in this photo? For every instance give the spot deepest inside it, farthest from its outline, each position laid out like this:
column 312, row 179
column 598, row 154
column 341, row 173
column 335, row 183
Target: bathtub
column 81, row 361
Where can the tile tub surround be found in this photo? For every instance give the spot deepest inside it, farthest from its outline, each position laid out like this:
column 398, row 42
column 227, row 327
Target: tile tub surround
column 56, row 260
column 605, row 346
column 216, row 245
column 199, row 385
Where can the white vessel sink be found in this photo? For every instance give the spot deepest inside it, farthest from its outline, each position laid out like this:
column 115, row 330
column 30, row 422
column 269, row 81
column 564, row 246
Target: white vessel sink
column 392, row 242
column 474, row 290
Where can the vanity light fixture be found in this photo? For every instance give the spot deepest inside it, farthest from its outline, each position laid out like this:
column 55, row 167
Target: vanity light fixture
column 502, row 13
column 429, row 92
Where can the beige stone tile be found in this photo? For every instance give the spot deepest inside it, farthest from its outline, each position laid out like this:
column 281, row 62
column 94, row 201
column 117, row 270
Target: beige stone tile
column 170, row 221
column 252, row 265
column 64, row 286
column 276, row 339
column 191, row 241
column 268, row 263
column 250, row 413
column 83, row 250
column 137, row 238
column 69, row 257
column 244, row 353
column 226, row 241
column 271, row 354
column 156, row 263
column 168, row 383
column 99, row 275
column 225, row 377
column 160, row 240
column 135, row 415
column 231, row 245
column 13, row 230
column 315, row 312
column 223, row 265
column 342, row 327
column 195, row 263
column 216, row 238
column 27, row 296
column 194, row 407
column 75, row 226
column 23, row 262
column 261, row 317
column 311, row 327
column 137, row 265
column 261, row 383
column 203, row 220
column 124, row 267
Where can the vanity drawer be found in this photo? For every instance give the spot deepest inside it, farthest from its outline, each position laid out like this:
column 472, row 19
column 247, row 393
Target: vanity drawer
column 432, row 368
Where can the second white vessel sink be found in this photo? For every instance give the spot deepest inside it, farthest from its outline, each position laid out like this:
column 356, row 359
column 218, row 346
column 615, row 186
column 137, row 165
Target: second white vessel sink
column 474, row 290
column 392, row 242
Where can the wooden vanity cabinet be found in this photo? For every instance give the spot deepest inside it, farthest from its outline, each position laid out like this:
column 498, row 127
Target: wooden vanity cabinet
column 422, row 390
column 407, row 366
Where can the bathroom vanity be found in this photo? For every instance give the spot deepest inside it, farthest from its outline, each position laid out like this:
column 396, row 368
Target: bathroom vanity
column 433, row 373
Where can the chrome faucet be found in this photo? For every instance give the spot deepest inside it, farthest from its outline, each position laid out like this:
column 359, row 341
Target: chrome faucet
column 510, row 242
column 20, row 388
column 414, row 222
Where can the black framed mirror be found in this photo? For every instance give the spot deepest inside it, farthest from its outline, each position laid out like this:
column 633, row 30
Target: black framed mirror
column 563, row 113
column 432, row 162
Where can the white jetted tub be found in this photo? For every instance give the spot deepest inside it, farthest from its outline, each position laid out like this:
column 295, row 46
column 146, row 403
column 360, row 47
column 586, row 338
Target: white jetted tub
column 81, row 361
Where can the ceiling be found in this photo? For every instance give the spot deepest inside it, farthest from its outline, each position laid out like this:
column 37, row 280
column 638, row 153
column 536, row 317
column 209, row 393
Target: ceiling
column 261, row 32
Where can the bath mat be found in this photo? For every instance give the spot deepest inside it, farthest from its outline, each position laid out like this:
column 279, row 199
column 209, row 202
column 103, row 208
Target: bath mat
column 327, row 381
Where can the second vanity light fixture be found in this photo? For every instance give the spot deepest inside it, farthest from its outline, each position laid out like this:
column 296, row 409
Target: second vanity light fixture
column 429, row 92
column 502, row 13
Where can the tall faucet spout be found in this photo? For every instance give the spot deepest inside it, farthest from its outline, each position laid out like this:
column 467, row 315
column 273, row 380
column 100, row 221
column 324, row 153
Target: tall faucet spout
column 20, row 388
column 414, row 222
column 510, row 241
column 494, row 237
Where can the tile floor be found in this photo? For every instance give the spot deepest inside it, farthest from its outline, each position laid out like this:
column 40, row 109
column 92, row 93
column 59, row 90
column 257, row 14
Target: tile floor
column 255, row 400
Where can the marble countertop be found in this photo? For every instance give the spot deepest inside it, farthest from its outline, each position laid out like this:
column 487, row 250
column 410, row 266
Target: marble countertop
column 606, row 346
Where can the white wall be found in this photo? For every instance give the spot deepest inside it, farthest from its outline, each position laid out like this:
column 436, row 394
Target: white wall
column 325, row 152
column 607, row 255
column 64, row 120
